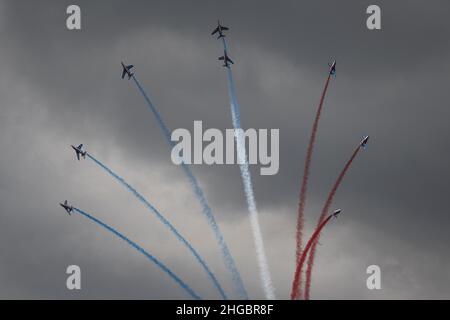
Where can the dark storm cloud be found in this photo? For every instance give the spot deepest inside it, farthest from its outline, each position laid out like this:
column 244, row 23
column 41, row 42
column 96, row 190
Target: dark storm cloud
column 60, row 87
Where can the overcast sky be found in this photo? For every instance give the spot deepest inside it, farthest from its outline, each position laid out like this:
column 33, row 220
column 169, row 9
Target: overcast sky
column 61, row 87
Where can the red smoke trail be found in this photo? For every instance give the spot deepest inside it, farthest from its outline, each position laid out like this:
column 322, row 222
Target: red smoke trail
column 301, row 204
column 297, row 279
column 325, row 210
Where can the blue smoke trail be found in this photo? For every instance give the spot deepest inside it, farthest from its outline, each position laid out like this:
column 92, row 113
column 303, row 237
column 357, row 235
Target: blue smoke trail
column 165, row 222
column 248, row 186
column 206, row 209
column 180, row 282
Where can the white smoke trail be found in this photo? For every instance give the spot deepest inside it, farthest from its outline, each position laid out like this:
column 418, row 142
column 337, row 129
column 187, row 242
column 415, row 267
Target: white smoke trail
column 248, row 188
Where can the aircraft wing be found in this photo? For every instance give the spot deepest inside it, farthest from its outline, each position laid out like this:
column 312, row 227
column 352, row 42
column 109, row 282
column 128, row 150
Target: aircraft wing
column 221, row 58
column 215, row 30
column 225, row 28
column 78, row 155
column 124, row 72
column 229, row 60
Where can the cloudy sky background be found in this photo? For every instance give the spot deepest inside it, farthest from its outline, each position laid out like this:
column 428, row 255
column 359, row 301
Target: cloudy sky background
column 60, row 87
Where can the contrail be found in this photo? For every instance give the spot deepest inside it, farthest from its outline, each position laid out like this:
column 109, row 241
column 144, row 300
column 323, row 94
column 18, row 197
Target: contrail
column 248, row 187
column 298, row 271
column 304, row 186
column 206, row 209
column 166, row 223
column 325, row 210
column 180, row 282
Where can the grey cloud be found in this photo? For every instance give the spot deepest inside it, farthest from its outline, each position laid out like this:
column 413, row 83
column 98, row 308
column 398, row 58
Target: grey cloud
column 59, row 87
